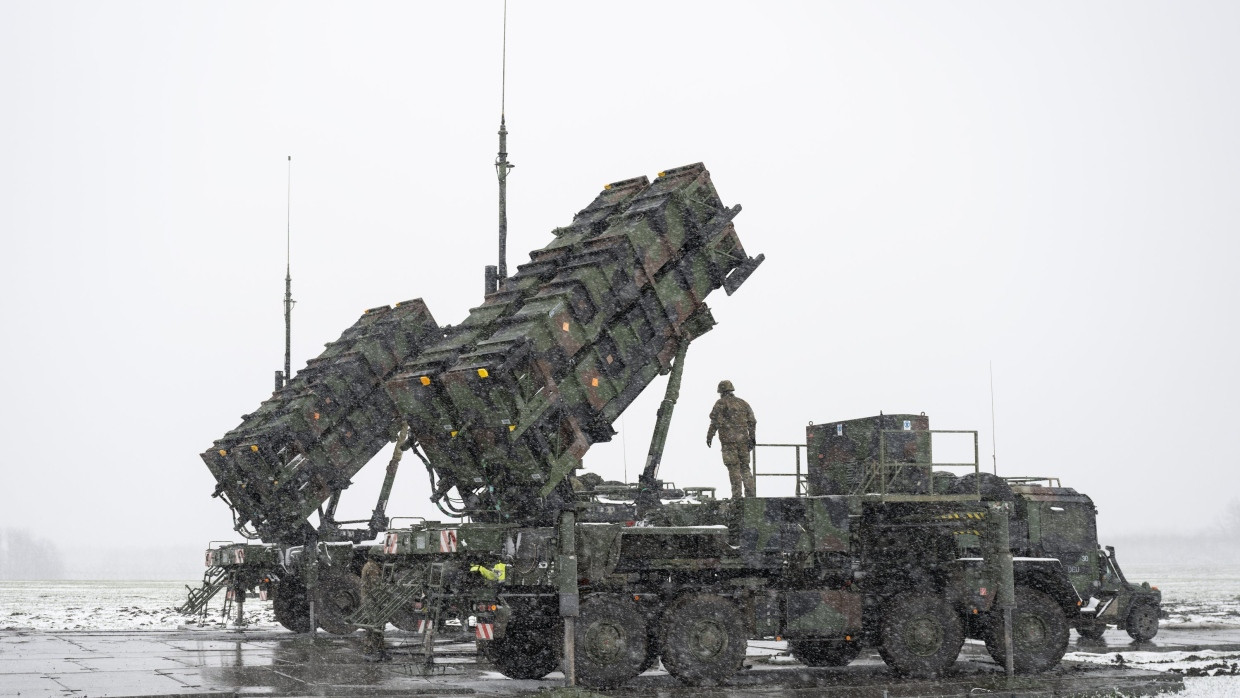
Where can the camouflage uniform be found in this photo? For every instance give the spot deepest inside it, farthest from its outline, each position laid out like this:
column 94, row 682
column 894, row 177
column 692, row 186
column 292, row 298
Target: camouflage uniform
column 372, row 573
column 733, row 419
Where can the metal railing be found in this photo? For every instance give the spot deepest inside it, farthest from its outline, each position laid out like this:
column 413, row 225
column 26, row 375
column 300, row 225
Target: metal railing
column 801, row 486
column 880, row 476
column 887, row 472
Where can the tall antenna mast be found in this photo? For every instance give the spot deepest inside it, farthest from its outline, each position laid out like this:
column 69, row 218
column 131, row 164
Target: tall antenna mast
column 502, row 166
column 288, row 277
column 994, row 462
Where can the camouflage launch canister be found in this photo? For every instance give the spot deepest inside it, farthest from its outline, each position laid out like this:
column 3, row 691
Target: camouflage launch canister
column 305, row 442
column 509, row 402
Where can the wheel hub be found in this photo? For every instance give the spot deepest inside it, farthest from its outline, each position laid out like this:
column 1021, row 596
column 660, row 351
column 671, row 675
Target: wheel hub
column 923, row 636
column 605, row 642
column 708, row 639
column 1030, row 630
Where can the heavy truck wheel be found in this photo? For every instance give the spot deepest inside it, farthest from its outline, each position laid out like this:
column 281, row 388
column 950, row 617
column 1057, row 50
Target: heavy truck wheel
column 1093, row 630
column 291, row 607
column 1142, row 622
column 704, row 639
column 610, row 641
column 1039, row 633
column 820, row 653
column 920, row 635
column 340, row 595
column 526, row 651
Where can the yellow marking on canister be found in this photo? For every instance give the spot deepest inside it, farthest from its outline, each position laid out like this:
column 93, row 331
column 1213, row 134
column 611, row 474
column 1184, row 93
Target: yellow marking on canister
column 482, row 373
column 512, row 427
column 594, row 382
column 425, row 380
column 565, row 326
column 254, row 449
column 223, row 452
column 606, row 186
column 453, row 434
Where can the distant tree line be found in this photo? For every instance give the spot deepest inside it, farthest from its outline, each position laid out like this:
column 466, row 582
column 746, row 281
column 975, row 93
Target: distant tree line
column 24, row 556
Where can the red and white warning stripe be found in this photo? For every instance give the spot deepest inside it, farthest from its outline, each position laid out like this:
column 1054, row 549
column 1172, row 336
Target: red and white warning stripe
column 239, row 556
column 447, row 540
column 209, row 557
column 389, row 543
column 424, row 626
column 485, row 631
column 262, row 593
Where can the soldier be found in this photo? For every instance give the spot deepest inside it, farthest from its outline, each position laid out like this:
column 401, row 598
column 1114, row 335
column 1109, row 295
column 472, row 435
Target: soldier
column 372, row 574
column 733, row 419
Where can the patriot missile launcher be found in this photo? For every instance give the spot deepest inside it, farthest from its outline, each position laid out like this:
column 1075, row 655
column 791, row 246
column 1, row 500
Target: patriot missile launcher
column 889, row 550
column 506, row 405
column 301, row 446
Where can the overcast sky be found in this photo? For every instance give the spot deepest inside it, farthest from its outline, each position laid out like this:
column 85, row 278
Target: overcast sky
column 1048, row 188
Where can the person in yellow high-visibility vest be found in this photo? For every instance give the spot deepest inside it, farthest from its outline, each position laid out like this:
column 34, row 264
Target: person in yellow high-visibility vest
column 494, row 574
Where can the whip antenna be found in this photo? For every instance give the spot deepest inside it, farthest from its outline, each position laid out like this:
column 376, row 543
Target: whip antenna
column 497, row 275
column 994, row 463
column 283, row 379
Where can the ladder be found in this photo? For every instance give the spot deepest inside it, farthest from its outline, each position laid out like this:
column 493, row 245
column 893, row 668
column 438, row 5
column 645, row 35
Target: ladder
column 213, row 580
column 435, row 601
column 387, row 600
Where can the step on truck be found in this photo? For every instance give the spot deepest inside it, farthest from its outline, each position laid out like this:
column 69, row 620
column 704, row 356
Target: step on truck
column 555, row 570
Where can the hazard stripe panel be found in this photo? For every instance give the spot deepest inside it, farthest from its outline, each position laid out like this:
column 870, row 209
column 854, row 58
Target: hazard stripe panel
column 447, row 540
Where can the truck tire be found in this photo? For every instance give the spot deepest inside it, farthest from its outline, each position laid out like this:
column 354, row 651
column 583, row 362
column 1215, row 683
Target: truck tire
column 704, row 639
column 340, row 595
column 290, row 605
column 1142, row 624
column 1091, row 631
column 920, row 635
column 610, row 641
column 820, row 653
column 526, row 651
column 1039, row 633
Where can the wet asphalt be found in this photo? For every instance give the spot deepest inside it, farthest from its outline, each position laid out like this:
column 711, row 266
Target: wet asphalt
column 279, row 663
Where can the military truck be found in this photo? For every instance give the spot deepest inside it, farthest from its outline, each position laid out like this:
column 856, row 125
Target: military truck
column 885, row 550
column 1059, row 522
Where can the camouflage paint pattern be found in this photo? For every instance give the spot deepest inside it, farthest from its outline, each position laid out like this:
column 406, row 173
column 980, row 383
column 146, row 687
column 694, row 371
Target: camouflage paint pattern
column 779, row 525
column 1060, row 522
column 843, row 456
column 822, row 613
column 507, row 403
column 305, row 442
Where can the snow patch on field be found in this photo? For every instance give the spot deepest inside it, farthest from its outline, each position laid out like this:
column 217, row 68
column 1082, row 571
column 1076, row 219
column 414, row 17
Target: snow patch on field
column 113, row 605
column 1207, row 673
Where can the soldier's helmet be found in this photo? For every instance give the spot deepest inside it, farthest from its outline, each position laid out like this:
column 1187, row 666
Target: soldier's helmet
column 726, row 387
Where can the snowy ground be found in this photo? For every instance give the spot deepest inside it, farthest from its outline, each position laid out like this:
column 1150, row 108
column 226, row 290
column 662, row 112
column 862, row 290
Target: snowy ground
column 1207, row 673
column 111, row 605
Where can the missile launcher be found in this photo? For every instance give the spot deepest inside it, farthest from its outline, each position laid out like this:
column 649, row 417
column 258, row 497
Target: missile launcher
column 506, row 405
column 503, row 406
column 304, row 443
